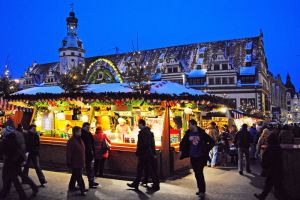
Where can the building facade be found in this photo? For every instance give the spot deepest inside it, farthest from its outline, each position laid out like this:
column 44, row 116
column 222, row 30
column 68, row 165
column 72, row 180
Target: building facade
column 235, row 69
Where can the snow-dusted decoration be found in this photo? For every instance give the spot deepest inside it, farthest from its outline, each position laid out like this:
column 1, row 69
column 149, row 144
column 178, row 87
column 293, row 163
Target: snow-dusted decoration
column 196, row 73
column 244, row 71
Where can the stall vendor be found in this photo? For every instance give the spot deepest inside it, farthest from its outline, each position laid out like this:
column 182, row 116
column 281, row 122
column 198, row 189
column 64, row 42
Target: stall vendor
column 123, row 130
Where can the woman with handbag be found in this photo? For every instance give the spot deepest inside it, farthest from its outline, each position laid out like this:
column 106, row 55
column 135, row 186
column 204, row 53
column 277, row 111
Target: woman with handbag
column 102, row 147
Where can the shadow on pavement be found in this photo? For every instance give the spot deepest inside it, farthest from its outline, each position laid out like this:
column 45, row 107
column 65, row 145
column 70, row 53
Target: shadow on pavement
column 140, row 194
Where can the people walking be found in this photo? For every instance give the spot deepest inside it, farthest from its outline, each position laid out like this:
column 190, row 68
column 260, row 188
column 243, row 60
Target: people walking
column 272, row 166
column 146, row 156
column 262, row 141
column 223, row 142
column 88, row 140
column 101, row 154
column 32, row 139
column 254, row 135
column 76, row 160
column 243, row 141
column 14, row 156
column 196, row 144
column 213, row 154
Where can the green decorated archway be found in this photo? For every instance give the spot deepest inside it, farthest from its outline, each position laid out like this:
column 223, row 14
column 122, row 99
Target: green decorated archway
column 93, row 71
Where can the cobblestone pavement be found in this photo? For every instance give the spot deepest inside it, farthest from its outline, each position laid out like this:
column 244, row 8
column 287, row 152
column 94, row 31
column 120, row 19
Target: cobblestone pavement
column 221, row 183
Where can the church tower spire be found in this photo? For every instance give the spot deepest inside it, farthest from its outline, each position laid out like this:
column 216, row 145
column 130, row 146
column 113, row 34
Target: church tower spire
column 72, row 52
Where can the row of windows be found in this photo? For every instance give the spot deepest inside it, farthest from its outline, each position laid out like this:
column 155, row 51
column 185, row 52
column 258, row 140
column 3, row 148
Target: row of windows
column 221, row 80
column 196, row 81
column 220, row 66
column 247, row 79
column 72, row 54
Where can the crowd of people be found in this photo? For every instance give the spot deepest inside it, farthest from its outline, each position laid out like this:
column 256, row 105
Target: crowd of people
column 212, row 147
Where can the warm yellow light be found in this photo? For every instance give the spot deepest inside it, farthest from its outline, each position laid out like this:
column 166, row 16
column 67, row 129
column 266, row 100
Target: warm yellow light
column 223, row 109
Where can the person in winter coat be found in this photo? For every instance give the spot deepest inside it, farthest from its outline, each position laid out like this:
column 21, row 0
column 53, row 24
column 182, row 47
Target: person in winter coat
column 243, row 141
column 33, row 147
column 88, row 140
column 272, row 166
column 223, row 142
column 262, row 140
column 254, row 135
column 213, row 154
column 196, row 144
column 146, row 156
column 76, row 160
column 286, row 136
column 14, row 156
column 101, row 155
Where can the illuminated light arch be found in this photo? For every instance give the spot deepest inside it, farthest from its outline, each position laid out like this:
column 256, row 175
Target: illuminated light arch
column 110, row 63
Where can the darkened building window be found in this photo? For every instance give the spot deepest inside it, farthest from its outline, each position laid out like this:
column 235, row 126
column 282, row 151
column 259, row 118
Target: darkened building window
column 175, row 69
column 211, row 81
column 224, row 67
column 247, row 79
column 72, row 53
column 216, row 67
column 196, row 81
column 170, row 70
column 224, row 81
column 218, row 81
column 231, row 80
column 64, row 53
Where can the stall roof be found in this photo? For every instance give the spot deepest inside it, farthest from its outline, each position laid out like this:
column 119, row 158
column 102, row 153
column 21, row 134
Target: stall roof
column 161, row 87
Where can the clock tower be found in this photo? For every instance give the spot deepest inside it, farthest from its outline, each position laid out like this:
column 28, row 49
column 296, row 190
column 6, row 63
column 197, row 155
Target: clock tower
column 71, row 52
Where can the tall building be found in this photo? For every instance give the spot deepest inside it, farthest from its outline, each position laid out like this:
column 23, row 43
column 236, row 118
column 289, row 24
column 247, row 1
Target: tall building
column 236, row 69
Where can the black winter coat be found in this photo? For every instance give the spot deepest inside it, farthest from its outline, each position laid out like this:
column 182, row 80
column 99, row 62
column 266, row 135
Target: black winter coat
column 206, row 144
column 88, row 141
column 145, row 143
column 32, row 141
column 272, row 163
column 243, row 139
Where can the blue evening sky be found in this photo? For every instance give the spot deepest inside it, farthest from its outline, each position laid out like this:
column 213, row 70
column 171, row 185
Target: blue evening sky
column 32, row 30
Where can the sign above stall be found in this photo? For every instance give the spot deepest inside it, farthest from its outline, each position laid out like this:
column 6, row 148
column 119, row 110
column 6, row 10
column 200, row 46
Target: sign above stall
column 68, row 112
column 121, row 108
column 125, row 113
column 148, row 113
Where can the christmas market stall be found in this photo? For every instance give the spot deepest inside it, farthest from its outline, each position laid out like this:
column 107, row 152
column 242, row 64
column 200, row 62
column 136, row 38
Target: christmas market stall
column 241, row 118
column 116, row 109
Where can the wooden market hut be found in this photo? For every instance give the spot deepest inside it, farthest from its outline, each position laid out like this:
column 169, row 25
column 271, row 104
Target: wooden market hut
column 166, row 108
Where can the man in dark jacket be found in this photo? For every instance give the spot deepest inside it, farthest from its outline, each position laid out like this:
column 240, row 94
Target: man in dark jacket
column 146, row 156
column 88, row 141
column 242, row 141
column 75, row 160
column 196, row 144
column 33, row 147
column 14, row 156
column 272, row 166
